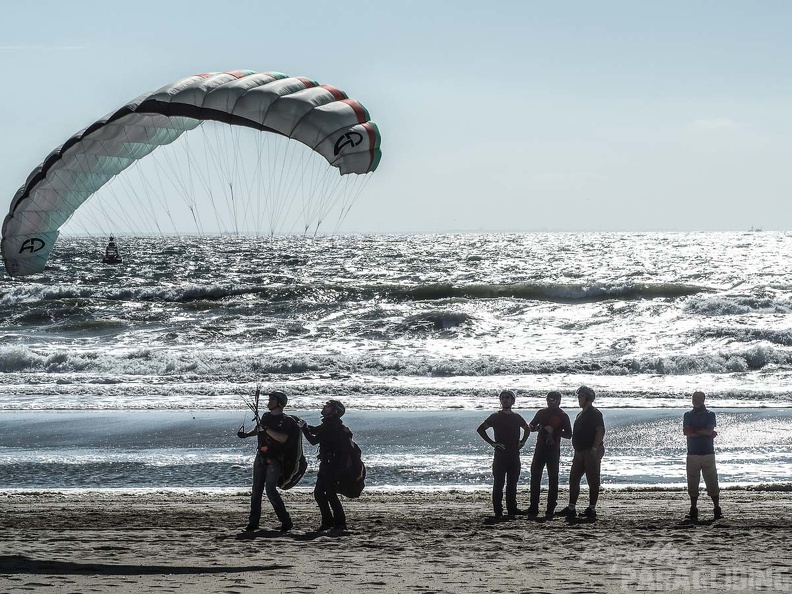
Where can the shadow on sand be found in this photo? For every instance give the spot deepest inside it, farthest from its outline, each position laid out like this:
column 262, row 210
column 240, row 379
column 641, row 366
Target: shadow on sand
column 303, row 537
column 16, row 564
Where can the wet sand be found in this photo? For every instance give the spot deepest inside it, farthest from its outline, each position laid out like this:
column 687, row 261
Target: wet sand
column 396, row 542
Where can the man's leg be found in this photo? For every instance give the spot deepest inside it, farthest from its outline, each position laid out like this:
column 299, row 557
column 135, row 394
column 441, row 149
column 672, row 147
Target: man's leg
column 553, row 463
column 575, row 474
column 271, row 485
column 512, row 476
column 537, row 468
column 693, row 469
column 320, row 494
column 498, row 480
column 592, row 463
column 710, row 472
column 259, row 471
column 339, row 517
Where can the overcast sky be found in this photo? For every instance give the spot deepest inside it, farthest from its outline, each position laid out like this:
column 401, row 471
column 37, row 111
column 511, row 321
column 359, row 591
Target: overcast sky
column 495, row 115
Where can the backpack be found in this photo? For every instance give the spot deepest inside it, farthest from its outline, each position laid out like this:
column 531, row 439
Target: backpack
column 352, row 474
column 294, row 463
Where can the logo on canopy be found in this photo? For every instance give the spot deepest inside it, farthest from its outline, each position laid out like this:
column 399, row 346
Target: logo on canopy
column 32, row 245
column 347, row 139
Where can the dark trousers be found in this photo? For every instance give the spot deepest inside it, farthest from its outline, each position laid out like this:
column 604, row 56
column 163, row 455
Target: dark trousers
column 505, row 469
column 266, row 474
column 326, row 495
column 545, row 457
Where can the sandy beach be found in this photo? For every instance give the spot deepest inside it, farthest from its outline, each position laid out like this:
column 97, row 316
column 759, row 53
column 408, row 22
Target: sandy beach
column 397, row 542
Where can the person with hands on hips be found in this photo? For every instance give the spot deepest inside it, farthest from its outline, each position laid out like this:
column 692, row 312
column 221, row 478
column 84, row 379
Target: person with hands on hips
column 507, row 443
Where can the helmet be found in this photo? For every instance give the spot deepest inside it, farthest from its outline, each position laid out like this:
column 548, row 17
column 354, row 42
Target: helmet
column 509, row 394
column 586, row 392
column 280, row 396
column 340, row 408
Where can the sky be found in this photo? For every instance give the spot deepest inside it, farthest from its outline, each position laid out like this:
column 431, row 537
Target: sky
column 495, row 116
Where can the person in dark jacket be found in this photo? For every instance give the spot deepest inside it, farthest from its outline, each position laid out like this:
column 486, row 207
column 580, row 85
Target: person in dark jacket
column 273, row 432
column 335, row 444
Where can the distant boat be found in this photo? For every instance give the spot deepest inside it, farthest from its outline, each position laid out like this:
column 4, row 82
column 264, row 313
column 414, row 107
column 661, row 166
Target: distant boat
column 755, row 228
column 111, row 255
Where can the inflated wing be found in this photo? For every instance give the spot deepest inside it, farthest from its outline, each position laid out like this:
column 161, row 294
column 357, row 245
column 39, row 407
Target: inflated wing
column 319, row 116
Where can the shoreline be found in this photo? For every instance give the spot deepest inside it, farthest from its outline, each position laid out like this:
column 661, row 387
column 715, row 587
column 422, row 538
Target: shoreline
column 397, row 542
column 399, row 490
column 529, row 404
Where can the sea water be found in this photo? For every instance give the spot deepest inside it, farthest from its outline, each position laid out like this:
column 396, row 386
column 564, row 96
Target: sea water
column 645, row 448
column 133, row 375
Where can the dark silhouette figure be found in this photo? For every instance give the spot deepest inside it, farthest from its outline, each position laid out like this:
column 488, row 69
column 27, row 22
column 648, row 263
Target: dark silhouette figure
column 587, row 435
column 335, row 447
column 553, row 425
column 506, row 426
column 273, row 431
column 699, row 427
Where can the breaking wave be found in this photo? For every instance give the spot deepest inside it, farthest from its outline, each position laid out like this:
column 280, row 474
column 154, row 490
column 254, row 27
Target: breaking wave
column 561, row 293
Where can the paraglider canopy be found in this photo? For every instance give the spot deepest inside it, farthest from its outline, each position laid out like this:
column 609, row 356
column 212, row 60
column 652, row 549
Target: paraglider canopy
column 321, row 117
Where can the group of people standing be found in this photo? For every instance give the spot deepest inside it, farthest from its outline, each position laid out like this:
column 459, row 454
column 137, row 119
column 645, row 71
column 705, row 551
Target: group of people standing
column 274, row 431
column 552, row 425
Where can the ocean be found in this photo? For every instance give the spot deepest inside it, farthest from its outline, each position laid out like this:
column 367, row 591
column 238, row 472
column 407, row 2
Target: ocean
column 132, row 376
